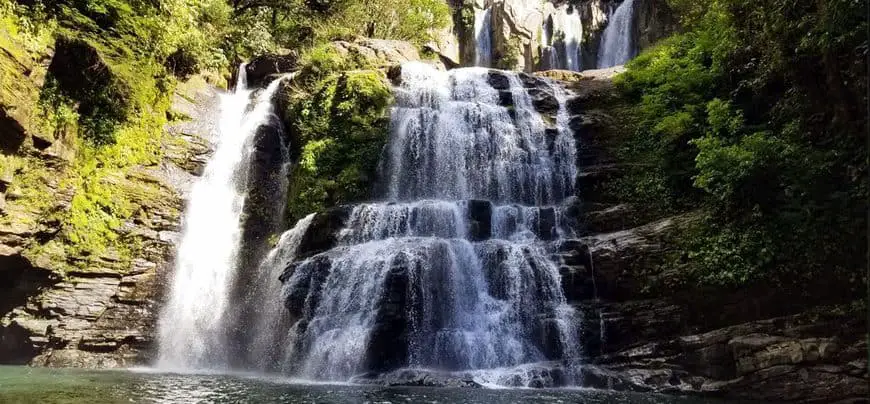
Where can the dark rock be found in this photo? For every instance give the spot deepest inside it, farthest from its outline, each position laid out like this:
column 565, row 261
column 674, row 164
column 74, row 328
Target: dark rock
column 505, row 98
column 547, row 223
column 79, row 68
column 13, row 132
column 551, row 134
column 498, row 80
column 388, row 341
column 418, row 378
column 544, row 101
column 182, row 63
column 574, row 105
column 530, row 81
column 304, row 293
column 321, row 234
column 262, row 68
column 549, row 338
column 480, row 218
column 394, row 74
column 653, row 21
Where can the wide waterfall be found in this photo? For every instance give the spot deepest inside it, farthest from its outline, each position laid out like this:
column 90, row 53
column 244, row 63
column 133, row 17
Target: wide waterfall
column 193, row 324
column 617, row 42
column 452, row 271
column 483, row 37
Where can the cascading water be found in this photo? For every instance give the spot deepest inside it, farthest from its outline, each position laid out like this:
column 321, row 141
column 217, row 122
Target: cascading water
column 269, row 326
column 617, row 42
column 453, row 271
column 483, row 37
column 568, row 25
column 192, row 326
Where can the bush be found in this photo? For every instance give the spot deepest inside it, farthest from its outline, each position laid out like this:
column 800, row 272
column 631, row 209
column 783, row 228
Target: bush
column 753, row 116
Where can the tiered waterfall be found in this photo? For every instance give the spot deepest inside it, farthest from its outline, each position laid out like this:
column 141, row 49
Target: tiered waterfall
column 452, row 270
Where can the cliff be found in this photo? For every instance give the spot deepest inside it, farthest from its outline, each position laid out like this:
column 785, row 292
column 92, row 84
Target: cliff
column 63, row 304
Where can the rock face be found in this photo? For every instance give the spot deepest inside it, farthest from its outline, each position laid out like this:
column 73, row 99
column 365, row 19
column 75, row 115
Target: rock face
column 538, row 35
column 263, row 68
column 516, row 26
column 379, row 53
column 83, row 311
column 746, row 344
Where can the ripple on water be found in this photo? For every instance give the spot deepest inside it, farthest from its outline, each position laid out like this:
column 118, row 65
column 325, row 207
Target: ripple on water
column 142, row 385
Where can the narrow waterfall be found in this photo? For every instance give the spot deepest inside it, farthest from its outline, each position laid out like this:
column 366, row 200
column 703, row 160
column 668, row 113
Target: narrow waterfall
column 483, row 37
column 617, row 42
column 567, row 22
column 270, row 324
column 453, row 270
column 193, row 324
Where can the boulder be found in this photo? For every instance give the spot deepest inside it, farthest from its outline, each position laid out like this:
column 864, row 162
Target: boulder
column 263, row 68
column 378, row 53
column 446, row 45
column 516, row 27
column 322, row 234
column 418, row 378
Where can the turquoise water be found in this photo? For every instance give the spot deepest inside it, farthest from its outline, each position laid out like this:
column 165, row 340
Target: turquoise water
column 38, row 385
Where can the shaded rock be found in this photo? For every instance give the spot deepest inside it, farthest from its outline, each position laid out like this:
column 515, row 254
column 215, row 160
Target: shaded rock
column 480, row 220
column 79, row 68
column 388, row 341
column 418, row 378
column 445, row 44
column 653, row 20
column 306, row 290
column 498, row 80
column 547, row 223
column 322, row 232
column 263, row 68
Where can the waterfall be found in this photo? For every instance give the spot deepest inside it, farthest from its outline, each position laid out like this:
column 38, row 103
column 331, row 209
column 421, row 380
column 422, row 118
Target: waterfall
column 483, row 37
column 270, row 323
column 453, row 270
column 192, row 327
column 568, row 22
column 617, row 44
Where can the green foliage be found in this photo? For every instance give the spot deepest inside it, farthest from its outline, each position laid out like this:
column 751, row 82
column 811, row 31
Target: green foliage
column 340, row 123
column 755, row 114
column 510, row 59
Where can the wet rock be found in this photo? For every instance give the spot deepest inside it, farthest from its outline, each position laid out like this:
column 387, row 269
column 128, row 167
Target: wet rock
column 264, row 68
column 388, row 341
column 498, row 80
column 304, row 292
column 322, row 232
column 544, row 101
column 480, row 220
column 418, row 378
column 547, row 223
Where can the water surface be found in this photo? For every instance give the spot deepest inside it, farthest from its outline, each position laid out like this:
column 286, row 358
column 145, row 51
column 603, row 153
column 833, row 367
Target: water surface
column 39, row 385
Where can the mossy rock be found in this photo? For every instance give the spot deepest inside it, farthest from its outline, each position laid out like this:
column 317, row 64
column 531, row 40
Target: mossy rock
column 338, row 127
column 79, row 72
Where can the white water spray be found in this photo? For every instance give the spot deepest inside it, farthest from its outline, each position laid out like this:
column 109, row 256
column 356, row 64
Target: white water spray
column 192, row 330
column 617, row 42
column 483, row 37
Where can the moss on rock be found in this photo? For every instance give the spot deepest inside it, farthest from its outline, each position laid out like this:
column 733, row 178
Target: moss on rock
column 338, row 125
